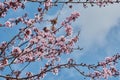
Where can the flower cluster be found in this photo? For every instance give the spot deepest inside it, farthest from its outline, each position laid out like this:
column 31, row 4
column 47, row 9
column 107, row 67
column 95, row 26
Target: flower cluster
column 3, row 45
column 8, row 24
column 66, row 23
column 33, row 44
column 16, row 51
column 72, row 17
column 108, row 68
column 3, row 63
column 39, row 44
column 27, row 33
column 5, row 6
column 47, row 4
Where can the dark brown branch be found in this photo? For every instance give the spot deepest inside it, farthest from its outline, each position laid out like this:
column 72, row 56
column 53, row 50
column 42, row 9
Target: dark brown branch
column 74, row 2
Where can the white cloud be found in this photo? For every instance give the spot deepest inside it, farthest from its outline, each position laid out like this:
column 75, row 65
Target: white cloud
column 94, row 22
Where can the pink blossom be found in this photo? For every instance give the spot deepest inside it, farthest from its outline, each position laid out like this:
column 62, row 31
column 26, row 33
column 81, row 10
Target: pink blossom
column 68, row 29
column 75, row 39
column 26, row 50
column 109, row 59
column 28, row 32
column 30, row 58
column 43, row 75
column 67, row 50
column 48, row 4
column 55, row 71
column 16, row 50
column 4, row 62
column 38, row 17
column 61, row 38
column 3, row 14
column 97, row 73
column 3, row 44
column 19, row 60
column 73, row 17
column 59, row 42
column 30, row 22
column 99, row 2
column 39, row 54
column 8, row 24
column 1, row 5
column 70, row 43
column 15, row 4
column 51, row 40
column 102, row 63
column 106, row 73
column 33, row 40
column 63, row 23
column 29, row 74
column 113, row 69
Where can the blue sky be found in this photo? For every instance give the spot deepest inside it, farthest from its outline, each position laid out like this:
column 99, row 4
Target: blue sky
column 100, row 32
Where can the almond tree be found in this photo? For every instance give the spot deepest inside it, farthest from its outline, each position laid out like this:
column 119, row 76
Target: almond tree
column 32, row 44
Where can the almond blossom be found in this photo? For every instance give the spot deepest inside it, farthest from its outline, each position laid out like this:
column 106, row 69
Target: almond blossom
column 28, row 32
column 55, row 71
column 16, row 51
column 8, row 24
column 47, row 4
column 44, row 44
column 106, row 73
column 68, row 29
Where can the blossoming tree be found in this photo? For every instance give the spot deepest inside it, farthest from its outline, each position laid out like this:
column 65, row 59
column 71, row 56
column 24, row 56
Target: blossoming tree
column 33, row 44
